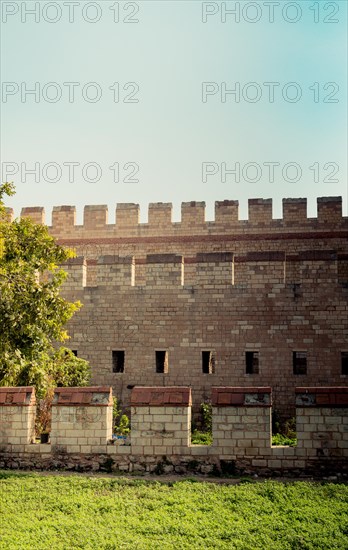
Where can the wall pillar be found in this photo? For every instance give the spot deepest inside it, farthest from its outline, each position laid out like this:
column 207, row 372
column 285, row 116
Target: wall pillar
column 322, row 424
column 17, row 415
column 161, row 420
column 242, row 421
column 81, row 419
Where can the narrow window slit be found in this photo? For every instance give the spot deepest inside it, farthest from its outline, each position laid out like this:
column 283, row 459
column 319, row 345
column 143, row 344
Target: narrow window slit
column 161, row 362
column 118, row 357
column 208, row 362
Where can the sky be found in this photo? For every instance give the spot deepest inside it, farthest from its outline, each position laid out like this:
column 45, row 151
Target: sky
column 173, row 101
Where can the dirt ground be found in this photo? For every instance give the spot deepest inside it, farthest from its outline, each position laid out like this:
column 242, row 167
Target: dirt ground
column 171, row 478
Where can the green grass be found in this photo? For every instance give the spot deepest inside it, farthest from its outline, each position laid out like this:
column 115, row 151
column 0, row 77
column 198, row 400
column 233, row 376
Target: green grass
column 206, row 438
column 70, row 512
column 280, row 439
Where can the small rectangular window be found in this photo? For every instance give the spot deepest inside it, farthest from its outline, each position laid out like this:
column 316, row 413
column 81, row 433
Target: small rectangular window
column 344, row 362
column 208, row 362
column 74, row 352
column 118, row 361
column 161, row 362
column 299, row 362
column 252, row 362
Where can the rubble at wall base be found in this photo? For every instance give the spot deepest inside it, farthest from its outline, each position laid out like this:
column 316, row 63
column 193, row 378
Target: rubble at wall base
column 174, row 465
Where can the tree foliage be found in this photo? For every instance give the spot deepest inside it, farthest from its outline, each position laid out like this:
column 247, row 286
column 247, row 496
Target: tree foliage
column 32, row 312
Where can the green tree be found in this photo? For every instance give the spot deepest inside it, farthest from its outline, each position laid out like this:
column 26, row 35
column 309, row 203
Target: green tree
column 5, row 189
column 32, row 312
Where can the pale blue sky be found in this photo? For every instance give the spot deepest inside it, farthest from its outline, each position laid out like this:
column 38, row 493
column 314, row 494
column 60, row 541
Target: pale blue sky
column 170, row 132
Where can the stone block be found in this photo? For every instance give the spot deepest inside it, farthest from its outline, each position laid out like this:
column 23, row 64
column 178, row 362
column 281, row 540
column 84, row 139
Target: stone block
column 259, row 462
column 86, row 449
column 99, row 449
column 274, row 463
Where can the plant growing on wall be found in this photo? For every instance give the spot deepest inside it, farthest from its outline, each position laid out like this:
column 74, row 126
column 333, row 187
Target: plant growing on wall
column 44, row 414
column 204, row 436
column 283, row 433
column 120, row 422
column 32, row 312
column 207, row 417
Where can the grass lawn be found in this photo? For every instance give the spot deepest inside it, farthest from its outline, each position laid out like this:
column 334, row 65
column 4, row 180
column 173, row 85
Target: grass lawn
column 69, row 512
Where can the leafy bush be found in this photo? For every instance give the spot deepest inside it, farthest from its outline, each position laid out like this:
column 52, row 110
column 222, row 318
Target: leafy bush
column 284, row 433
column 290, row 428
column 203, row 436
column 207, row 417
column 120, row 424
column 44, row 413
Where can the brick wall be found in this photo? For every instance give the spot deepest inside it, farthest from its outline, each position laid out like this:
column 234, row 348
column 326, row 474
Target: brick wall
column 273, row 286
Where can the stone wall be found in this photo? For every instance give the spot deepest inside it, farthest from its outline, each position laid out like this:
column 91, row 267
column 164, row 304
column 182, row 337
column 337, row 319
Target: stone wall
column 81, row 419
column 17, row 415
column 322, row 423
column 230, row 287
column 161, row 420
column 160, row 436
column 242, row 422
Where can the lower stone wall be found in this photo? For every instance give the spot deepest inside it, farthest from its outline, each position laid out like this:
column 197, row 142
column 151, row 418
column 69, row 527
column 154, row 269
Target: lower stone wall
column 160, row 437
column 281, row 462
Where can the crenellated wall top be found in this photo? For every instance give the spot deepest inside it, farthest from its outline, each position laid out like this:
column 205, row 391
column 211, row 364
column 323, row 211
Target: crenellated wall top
column 126, row 222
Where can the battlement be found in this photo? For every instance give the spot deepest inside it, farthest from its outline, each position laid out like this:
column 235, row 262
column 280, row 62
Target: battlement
column 81, row 435
column 208, row 270
column 127, row 218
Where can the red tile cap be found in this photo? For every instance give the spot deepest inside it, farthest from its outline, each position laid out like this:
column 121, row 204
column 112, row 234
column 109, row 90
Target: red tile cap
column 237, row 396
column 160, row 396
column 332, row 396
column 23, row 395
column 84, row 396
